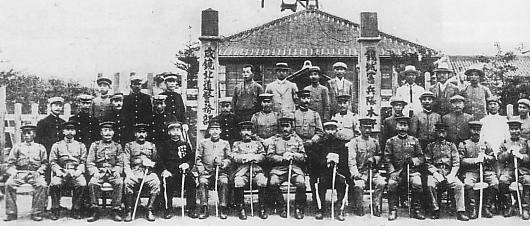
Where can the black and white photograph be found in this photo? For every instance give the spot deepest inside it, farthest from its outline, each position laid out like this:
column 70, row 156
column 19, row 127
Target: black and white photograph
column 259, row 112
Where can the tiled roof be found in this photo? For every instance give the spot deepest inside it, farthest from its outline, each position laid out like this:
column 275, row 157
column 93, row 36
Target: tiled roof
column 308, row 33
column 461, row 63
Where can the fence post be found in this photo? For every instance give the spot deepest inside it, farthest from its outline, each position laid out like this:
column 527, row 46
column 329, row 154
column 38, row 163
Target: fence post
column 509, row 111
column 34, row 113
column 3, row 109
column 116, row 83
column 150, row 83
column 18, row 122
column 67, row 111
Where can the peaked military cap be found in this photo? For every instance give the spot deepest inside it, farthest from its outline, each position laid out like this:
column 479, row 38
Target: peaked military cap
column 474, row 124
column 104, row 80
column 107, row 124
column 304, row 93
column 140, row 127
column 159, row 97
column 245, row 124
column 524, row 101
column 514, row 123
column 285, row 120
column 440, row 126
column 457, row 98
column 332, row 123
column 28, row 126
column 426, row 94
column 266, row 96
column 367, row 122
column 340, row 64
column 403, row 119
column 69, row 124
column 117, row 96
column 343, row 97
column 225, row 100
column 396, row 100
column 55, row 100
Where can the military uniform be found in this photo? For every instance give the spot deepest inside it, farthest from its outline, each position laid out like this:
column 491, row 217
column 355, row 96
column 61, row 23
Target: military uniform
column 116, row 116
column 457, row 126
column 26, row 164
column 340, row 86
column 173, row 153
column 101, row 104
column 228, row 122
column 265, row 124
column 245, row 154
column 280, row 170
column 135, row 156
column 88, row 128
column 360, row 150
column 67, row 160
column 469, row 150
column 441, row 157
column 422, row 126
column 506, row 162
column 137, row 108
column 159, row 121
column 348, row 125
column 49, row 131
column 211, row 154
column 400, row 152
column 175, row 106
column 320, row 100
column 105, row 164
column 307, row 124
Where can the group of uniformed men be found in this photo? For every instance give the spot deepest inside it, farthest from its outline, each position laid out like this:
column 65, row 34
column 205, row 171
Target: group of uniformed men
column 131, row 143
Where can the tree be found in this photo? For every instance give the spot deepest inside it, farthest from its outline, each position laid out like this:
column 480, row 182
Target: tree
column 188, row 61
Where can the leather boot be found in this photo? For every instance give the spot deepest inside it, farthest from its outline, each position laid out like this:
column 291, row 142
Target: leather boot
column 117, row 216
column 377, row 211
column 242, row 213
column 435, row 214
column 76, row 214
column 472, row 203
column 55, row 214
column 36, row 217
column 417, row 214
column 319, row 215
column 192, row 213
column 298, row 214
column 392, row 215
column 461, row 216
column 525, row 215
column 486, row 212
column 263, row 214
column 94, row 216
column 283, row 212
column 416, row 204
column 167, row 214
column 10, row 217
column 128, row 198
column 204, row 212
column 262, row 194
column 340, row 215
column 150, row 206
column 223, row 210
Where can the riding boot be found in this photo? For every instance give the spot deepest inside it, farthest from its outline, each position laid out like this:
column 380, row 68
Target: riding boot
column 128, row 198
column 262, row 192
column 150, row 216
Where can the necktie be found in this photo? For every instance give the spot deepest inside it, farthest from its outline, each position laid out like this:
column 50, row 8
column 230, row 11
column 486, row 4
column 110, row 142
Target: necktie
column 410, row 94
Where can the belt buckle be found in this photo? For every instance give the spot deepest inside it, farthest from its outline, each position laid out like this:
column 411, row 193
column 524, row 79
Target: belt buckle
column 69, row 166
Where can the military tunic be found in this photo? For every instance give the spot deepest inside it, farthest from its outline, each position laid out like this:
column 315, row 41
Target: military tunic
column 255, row 151
column 441, row 157
column 307, row 125
column 348, row 125
column 457, row 126
column 422, row 126
column 134, row 154
column 339, row 87
column 32, row 158
column 136, row 109
column 229, row 130
column 205, row 162
column 469, row 151
column 159, row 130
column 88, row 128
column 175, row 106
column 525, row 126
column 265, row 125
column 117, row 117
column 320, row 100
column 506, row 163
column 101, row 106
column 68, row 156
column 49, row 131
column 105, row 164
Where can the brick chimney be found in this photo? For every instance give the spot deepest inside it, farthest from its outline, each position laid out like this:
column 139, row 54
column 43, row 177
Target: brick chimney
column 369, row 27
column 210, row 23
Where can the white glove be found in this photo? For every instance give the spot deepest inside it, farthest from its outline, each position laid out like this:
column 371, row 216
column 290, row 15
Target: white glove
column 166, row 173
column 184, row 166
column 332, row 157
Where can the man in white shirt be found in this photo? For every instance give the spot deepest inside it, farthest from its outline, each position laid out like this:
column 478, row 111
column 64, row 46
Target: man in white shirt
column 494, row 126
column 410, row 91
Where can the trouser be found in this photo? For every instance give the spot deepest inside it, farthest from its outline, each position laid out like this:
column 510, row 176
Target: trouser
column 94, row 188
column 416, row 187
column 132, row 185
column 434, row 186
column 324, row 182
column 298, row 180
column 206, row 180
column 242, row 179
column 173, row 186
column 78, row 184
column 494, row 184
column 37, row 181
column 378, row 184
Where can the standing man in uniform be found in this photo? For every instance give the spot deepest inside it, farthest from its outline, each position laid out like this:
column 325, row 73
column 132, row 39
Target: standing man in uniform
column 88, row 130
column 348, row 122
column 228, row 120
column 364, row 155
column 475, row 93
column 213, row 154
column 245, row 99
column 105, row 164
column 423, row 122
column 26, row 163
column 101, row 104
column 442, row 163
column 443, row 90
column 284, row 92
column 523, row 106
column 319, row 94
column 248, row 155
column 174, row 103
column 49, row 129
column 474, row 152
column 339, row 86
column 284, row 151
column 265, row 122
column 115, row 115
column 331, row 153
column 68, row 162
column 307, row 123
column 139, row 158
column 137, row 109
column 515, row 147
column 410, row 91
column 400, row 151
column 457, row 121
column 389, row 126
column 161, row 118
column 177, row 158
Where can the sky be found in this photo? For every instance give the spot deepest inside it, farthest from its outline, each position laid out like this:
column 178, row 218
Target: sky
column 76, row 39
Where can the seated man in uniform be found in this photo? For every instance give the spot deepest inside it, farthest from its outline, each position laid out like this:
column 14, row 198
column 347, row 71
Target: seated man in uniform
column 139, row 158
column 26, row 164
column 67, row 160
column 212, row 160
column 105, row 164
column 286, row 151
column 248, row 155
column 443, row 162
column 364, row 154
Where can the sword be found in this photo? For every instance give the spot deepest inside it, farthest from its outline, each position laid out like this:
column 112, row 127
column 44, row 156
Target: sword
column 251, row 195
column 216, row 190
column 139, row 193
column 165, row 190
column 319, row 203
